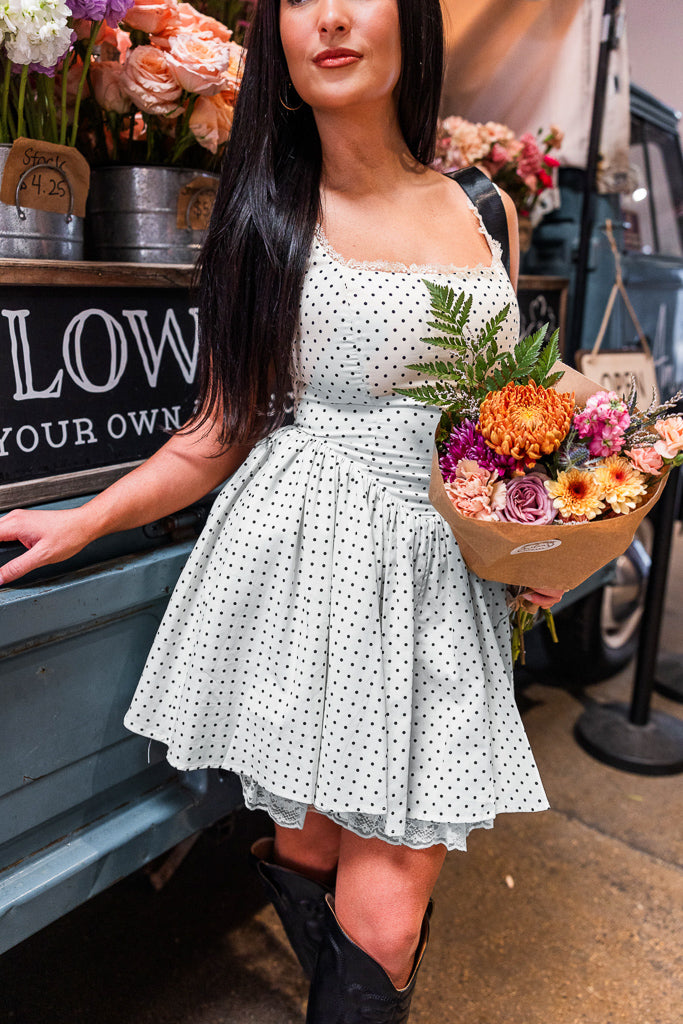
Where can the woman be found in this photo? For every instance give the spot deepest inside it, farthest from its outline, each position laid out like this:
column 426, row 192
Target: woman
column 325, row 639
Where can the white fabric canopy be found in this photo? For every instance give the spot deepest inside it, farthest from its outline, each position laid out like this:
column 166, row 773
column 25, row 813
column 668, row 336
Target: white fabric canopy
column 533, row 63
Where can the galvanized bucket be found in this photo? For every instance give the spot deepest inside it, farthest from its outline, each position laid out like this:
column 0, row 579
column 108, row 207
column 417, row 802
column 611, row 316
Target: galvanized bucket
column 36, row 234
column 134, row 213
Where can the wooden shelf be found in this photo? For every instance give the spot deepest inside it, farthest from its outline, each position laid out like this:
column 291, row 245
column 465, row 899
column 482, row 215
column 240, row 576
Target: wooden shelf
column 81, row 273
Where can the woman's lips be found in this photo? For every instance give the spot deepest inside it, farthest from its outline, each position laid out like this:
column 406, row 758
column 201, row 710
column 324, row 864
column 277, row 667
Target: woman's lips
column 337, row 58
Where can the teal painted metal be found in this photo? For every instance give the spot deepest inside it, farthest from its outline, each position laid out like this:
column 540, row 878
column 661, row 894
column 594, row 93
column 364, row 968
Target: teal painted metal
column 83, row 802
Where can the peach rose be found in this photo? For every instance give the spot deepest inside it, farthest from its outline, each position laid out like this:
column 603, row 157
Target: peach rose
column 200, row 65
column 105, row 77
column 192, row 21
column 114, row 44
column 211, row 120
column 671, row 433
column 149, row 82
column 647, row 460
column 153, row 16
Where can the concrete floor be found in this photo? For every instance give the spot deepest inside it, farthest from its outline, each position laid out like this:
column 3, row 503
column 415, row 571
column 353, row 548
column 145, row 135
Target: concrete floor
column 572, row 916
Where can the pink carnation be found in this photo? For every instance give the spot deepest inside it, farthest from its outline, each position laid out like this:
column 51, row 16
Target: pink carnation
column 475, row 492
column 646, row 460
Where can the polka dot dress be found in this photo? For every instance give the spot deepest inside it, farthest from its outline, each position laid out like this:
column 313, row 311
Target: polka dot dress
column 325, row 640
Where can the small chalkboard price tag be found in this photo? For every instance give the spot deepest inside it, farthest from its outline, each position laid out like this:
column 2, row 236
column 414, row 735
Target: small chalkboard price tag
column 46, row 176
column 195, row 202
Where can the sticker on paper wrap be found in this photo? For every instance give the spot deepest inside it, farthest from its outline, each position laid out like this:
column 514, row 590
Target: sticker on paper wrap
column 538, row 545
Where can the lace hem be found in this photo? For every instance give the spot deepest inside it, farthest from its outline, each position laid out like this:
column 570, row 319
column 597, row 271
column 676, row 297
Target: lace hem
column 416, row 268
column 418, row 835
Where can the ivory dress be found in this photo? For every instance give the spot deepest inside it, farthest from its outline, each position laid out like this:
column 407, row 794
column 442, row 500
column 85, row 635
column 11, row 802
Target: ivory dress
column 325, row 640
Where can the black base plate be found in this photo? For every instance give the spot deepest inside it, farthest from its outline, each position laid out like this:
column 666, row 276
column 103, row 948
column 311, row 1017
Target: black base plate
column 669, row 676
column 604, row 730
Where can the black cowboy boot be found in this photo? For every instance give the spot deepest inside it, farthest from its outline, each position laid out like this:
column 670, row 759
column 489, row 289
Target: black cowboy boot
column 349, row 987
column 299, row 902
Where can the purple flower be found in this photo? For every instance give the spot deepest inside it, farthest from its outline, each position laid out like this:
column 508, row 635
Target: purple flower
column 465, row 442
column 111, row 11
column 527, row 501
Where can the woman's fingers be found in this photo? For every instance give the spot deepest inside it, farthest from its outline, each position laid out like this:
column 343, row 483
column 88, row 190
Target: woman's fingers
column 48, row 537
column 18, row 567
column 544, row 598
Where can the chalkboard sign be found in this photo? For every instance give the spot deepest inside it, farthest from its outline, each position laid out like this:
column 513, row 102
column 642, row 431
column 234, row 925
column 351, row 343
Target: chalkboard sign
column 542, row 300
column 94, row 376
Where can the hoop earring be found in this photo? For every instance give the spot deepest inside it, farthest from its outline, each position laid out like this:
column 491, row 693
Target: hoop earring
column 284, row 103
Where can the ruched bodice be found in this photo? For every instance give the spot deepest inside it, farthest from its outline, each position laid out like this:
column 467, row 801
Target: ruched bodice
column 360, row 327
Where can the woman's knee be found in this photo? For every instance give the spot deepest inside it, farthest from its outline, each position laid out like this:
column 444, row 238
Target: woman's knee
column 313, row 850
column 390, row 935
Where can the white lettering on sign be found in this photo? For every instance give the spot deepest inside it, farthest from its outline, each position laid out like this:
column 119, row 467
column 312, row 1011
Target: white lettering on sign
column 143, row 420
column 22, row 432
column 171, row 418
column 73, row 360
column 171, row 335
column 116, row 426
column 47, row 427
column 84, row 431
column 537, row 545
column 21, row 360
column 3, row 437
column 74, row 352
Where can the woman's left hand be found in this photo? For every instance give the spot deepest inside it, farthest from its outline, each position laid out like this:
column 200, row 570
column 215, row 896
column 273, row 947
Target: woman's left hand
column 544, row 597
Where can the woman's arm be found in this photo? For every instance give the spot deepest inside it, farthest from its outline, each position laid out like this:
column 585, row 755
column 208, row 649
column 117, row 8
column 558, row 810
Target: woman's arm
column 186, row 468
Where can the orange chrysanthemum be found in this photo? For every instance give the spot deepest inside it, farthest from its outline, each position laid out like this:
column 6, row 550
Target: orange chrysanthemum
column 576, row 495
column 622, row 486
column 525, row 421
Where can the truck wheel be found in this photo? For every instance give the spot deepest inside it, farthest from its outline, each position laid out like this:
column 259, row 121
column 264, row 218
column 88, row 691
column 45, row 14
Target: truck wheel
column 598, row 635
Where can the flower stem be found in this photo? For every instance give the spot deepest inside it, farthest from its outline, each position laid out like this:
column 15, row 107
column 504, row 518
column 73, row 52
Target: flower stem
column 4, row 116
column 52, row 111
column 94, row 32
column 63, row 125
column 22, row 97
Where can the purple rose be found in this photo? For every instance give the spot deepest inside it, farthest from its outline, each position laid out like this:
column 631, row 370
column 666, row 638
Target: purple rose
column 527, row 501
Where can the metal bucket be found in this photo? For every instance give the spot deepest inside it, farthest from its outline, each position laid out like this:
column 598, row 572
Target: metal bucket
column 36, row 234
column 133, row 213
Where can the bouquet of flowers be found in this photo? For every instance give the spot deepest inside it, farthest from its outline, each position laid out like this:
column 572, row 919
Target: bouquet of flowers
column 126, row 81
column 542, row 476
column 522, row 166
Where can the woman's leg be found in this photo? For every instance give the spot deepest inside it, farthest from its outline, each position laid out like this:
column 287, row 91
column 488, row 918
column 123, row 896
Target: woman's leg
column 381, row 897
column 313, row 851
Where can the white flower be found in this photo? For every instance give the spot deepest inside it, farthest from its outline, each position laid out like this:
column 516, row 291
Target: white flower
column 35, row 31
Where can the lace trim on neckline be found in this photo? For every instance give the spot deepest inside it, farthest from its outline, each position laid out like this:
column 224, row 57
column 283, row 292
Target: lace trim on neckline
column 384, row 266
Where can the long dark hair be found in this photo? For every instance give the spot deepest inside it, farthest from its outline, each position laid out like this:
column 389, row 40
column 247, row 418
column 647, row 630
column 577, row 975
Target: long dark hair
column 252, row 264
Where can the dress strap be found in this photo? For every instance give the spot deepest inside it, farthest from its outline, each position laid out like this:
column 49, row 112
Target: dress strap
column 481, row 191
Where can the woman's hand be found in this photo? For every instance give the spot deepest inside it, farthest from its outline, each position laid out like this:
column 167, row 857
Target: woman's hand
column 542, row 597
column 49, row 537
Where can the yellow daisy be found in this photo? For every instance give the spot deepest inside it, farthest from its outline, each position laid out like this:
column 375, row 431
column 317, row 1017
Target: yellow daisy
column 576, row 495
column 621, row 485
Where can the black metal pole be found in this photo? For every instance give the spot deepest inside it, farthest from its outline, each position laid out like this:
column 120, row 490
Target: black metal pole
column 608, row 42
column 654, row 603
column 633, row 737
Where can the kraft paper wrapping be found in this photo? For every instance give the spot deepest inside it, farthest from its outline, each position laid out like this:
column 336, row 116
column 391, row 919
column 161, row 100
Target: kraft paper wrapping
column 559, row 556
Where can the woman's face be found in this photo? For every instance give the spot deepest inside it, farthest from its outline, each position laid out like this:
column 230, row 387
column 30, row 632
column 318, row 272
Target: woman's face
column 341, row 53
